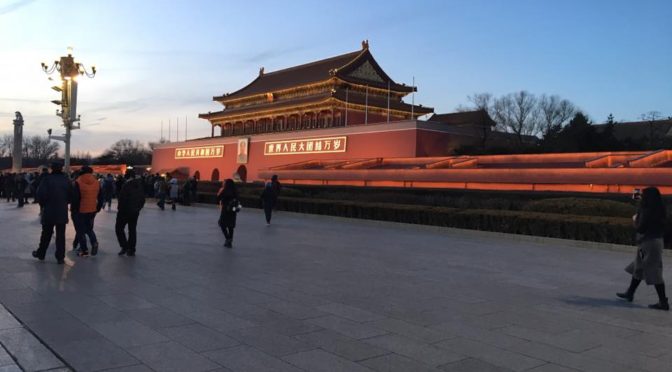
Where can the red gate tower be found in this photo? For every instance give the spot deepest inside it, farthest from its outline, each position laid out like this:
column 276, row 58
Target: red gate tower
column 350, row 89
column 341, row 107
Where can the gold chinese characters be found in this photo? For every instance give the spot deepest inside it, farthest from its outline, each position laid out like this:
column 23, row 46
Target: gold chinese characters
column 200, row 152
column 306, row 146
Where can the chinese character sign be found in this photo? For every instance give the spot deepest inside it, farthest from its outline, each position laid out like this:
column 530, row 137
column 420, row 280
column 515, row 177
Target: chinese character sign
column 200, row 152
column 306, row 146
column 243, row 144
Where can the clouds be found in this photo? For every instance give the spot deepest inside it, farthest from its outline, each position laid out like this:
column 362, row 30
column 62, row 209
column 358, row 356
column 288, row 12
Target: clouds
column 12, row 7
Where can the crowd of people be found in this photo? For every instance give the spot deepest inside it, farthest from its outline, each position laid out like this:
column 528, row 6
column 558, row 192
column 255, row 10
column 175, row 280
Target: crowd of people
column 80, row 196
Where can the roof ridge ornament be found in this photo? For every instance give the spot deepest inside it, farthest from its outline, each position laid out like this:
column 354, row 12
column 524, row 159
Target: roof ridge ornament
column 261, row 71
column 365, row 44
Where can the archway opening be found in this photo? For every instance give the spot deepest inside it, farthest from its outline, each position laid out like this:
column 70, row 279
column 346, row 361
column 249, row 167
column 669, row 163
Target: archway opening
column 215, row 175
column 197, row 175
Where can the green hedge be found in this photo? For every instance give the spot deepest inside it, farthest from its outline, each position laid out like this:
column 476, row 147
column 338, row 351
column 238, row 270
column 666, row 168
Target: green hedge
column 582, row 206
column 590, row 228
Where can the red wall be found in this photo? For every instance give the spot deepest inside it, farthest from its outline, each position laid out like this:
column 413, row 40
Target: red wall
column 378, row 143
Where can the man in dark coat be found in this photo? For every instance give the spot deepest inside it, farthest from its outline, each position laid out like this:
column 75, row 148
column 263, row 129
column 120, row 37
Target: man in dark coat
column 54, row 195
column 131, row 200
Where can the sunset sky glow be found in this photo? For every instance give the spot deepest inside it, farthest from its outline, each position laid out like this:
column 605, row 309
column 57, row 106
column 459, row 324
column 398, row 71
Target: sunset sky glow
column 163, row 60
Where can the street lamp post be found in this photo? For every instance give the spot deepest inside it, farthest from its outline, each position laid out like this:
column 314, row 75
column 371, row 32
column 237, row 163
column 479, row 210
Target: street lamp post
column 69, row 71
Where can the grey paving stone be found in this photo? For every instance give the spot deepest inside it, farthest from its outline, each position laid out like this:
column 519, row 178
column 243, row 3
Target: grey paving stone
column 126, row 302
column 198, row 338
column 43, row 310
column 5, row 358
column 246, row 358
column 346, row 347
column 471, row 364
column 418, row 351
column 463, row 285
column 294, row 310
column 350, row 312
column 134, row 368
column 19, row 296
column 550, row 367
column 269, row 342
column 171, row 357
column 492, row 355
column 158, row 317
column 29, row 352
column 321, row 361
column 396, row 363
column 62, row 330
column 347, row 327
column 12, row 368
column 95, row 354
column 129, row 333
column 423, row 334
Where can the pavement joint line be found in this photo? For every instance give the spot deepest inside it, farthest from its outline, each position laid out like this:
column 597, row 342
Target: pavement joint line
column 30, row 331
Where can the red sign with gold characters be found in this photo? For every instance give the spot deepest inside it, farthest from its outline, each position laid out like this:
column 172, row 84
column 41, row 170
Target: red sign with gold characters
column 200, row 152
column 306, row 146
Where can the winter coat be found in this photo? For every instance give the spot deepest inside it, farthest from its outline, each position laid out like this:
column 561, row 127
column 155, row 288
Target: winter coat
column 131, row 197
column 174, row 188
column 108, row 186
column 54, row 195
column 87, row 195
column 269, row 196
column 648, row 263
column 225, row 199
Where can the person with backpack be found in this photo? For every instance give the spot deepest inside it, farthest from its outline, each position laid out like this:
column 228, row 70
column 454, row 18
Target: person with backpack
column 130, row 200
column 86, row 203
column 227, row 199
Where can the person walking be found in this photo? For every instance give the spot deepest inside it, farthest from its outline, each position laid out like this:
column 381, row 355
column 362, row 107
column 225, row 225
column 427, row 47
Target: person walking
column 649, row 224
column 161, row 188
column 54, row 195
column 20, row 185
column 227, row 199
column 86, row 203
column 269, row 197
column 174, row 192
column 131, row 199
column 108, row 190
column 194, row 189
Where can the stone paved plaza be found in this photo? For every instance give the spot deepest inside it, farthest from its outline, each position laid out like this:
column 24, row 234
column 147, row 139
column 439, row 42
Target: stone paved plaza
column 319, row 293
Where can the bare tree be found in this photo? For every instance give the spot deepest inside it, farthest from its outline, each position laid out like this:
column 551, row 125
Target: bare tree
column 555, row 112
column 39, row 148
column 519, row 113
column 6, row 145
column 126, row 151
column 650, row 118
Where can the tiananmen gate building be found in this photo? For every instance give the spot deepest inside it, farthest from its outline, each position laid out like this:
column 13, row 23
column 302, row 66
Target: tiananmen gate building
column 343, row 121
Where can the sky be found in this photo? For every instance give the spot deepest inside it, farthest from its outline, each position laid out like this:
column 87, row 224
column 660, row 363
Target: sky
column 161, row 61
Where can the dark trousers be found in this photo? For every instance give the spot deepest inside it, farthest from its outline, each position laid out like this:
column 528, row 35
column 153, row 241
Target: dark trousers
column 268, row 210
column 162, row 200
column 21, row 197
column 45, row 239
column 130, row 219
column 228, row 232
column 84, row 227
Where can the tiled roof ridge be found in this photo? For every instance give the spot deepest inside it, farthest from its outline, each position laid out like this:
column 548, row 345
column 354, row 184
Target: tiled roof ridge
column 355, row 54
